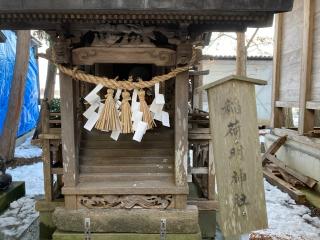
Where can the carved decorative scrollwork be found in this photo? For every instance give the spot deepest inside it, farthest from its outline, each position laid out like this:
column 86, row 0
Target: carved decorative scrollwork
column 126, row 201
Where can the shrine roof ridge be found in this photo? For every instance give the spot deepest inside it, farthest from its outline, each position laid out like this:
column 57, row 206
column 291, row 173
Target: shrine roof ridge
column 233, row 77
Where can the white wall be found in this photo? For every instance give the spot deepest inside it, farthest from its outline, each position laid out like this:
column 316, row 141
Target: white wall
column 260, row 69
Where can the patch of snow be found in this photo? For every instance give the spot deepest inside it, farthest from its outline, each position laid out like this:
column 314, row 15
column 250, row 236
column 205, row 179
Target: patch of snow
column 287, row 219
column 15, row 220
column 26, row 150
column 32, row 175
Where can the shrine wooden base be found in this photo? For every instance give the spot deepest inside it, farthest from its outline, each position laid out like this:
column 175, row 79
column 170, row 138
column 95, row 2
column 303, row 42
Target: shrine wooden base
column 15, row 191
column 124, row 236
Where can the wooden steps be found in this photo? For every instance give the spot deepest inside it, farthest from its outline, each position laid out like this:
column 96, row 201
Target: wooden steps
column 101, row 161
column 109, row 177
column 114, row 152
column 105, row 161
column 123, row 186
column 127, row 168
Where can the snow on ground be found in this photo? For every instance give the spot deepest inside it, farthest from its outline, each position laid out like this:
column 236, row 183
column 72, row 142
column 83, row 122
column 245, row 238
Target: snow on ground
column 26, row 150
column 286, row 218
column 32, row 175
column 15, row 220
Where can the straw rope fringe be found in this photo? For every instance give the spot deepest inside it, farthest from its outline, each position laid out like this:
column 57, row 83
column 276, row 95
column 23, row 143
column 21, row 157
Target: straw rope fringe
column 113, row 83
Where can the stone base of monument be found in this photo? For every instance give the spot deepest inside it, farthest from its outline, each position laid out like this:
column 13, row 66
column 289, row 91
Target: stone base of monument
column 15, row 191
column 116, row 224
column 45, row 210
column 124, row 236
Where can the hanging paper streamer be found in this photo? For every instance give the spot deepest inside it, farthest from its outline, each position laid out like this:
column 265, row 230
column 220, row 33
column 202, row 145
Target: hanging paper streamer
column 92, row 96
column 140, row 131
column 109, row 119
column 117, row 97
column 147, row 116
column 126, row 115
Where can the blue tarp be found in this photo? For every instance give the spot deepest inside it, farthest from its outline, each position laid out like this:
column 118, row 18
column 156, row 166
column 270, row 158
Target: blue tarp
column 30, row 108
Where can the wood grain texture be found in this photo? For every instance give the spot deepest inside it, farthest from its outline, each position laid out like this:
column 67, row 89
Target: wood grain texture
column 291, row 50
column 181, row 128
column 233, row 119
column 151, row 55
column 11, row 123
column 68, row 113
column 276, row 114
column 306, row 116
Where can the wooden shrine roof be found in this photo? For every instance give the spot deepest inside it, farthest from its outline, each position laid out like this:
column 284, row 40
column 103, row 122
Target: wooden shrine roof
column 218, row 14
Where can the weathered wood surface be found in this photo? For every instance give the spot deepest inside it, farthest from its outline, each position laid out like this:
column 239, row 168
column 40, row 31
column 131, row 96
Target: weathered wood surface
column 276, row 114
column 291, row 47
column 238, row 168
column 11, row 123
column 306, row 116
column 181, row 128
column 274, row 148
column 147, row 55
column 297, row 195
column 68, row 128
column 204, row 204
column 310, row 182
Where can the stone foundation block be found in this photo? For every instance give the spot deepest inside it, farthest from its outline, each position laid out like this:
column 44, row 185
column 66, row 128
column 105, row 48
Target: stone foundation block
column 124, row 236
column 146, row 221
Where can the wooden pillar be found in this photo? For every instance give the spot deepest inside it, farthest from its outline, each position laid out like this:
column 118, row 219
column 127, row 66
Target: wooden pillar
column 277, row 117
column 68, row 128
column 48, row 178
column 241, row 59
column 306, row 116
column 10, row 127
column 181, row 134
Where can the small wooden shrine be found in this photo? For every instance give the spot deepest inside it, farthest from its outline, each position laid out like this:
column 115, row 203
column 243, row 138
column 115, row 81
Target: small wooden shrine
column 117, row 58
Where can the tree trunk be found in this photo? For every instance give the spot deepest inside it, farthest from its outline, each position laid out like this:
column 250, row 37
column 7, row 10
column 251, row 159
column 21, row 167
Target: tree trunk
column 10, row 128
column 241, row 61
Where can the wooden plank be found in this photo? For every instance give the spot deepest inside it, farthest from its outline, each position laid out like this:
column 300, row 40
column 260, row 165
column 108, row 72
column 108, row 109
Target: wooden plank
column 314, row 105
column 293, row 135
column 58, row 171
column 68, row 113
column 236, row 148
column 297, row 195
column 305, row 179
column 70, row 202
column 283, row 104
column 306, row 116
column 199, row 170
column 199, row 131
column 49, row 136
column 150, row 55
column 274, row 148
column 276, row 115
column 126, row 152
column 211, row 173
column 124, row 187
column 181, row 128
column 11, row 122
column 199, row 137
column 47, row 175
column 204, row 204
column 115, row 176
